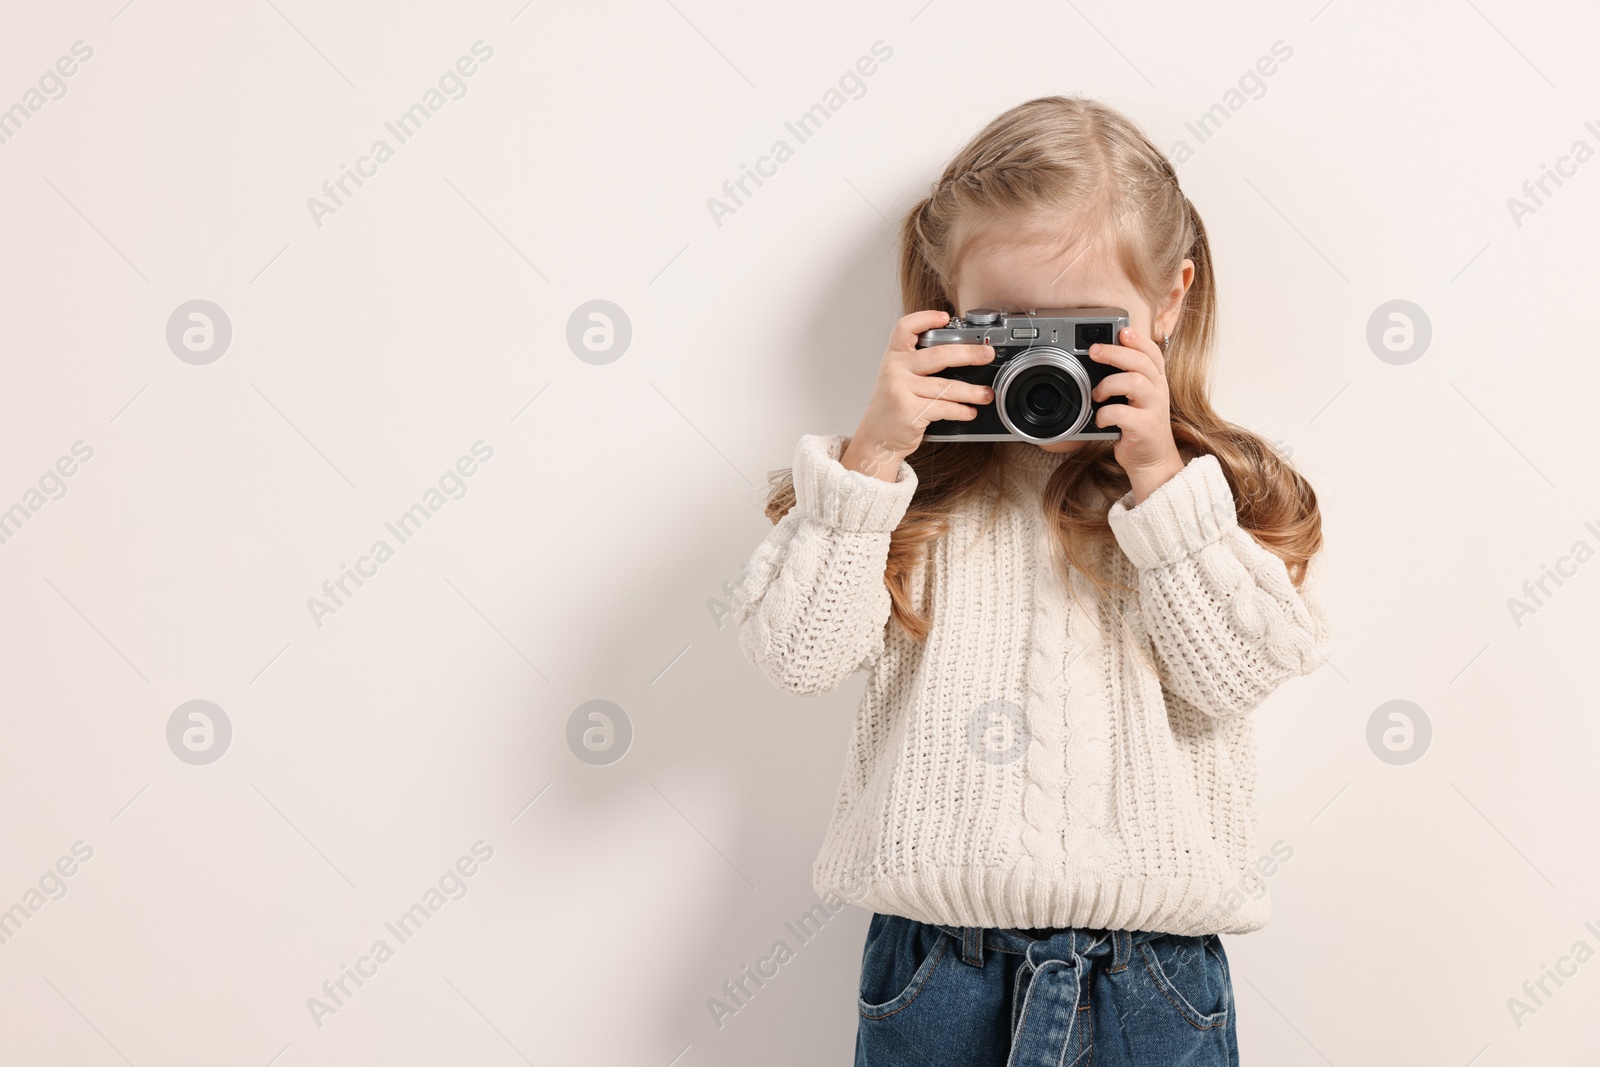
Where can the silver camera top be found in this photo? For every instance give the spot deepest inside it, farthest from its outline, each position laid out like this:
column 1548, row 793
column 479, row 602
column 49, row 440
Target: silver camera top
column 1073, row 329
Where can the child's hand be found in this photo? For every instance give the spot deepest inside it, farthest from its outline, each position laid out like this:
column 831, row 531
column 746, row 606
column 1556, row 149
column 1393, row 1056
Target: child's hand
column 907, row 397
column 1146, row 450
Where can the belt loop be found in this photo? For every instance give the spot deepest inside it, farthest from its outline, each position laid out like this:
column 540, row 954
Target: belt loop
column 972, row 945
column 1121, row 950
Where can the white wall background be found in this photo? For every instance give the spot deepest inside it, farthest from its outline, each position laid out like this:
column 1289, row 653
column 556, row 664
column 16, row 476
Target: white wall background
column 429, row 312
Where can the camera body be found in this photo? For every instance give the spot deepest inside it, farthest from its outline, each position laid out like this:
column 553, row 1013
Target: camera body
column 1041, row 373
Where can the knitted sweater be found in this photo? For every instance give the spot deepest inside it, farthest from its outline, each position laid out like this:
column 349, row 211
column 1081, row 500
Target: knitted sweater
column 1045, row 758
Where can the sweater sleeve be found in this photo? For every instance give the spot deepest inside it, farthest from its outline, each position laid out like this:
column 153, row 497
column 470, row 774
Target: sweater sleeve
column 1227, row 624
column 812, row 606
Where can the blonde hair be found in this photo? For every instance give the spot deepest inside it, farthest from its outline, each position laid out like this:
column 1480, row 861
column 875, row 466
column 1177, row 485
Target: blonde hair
column 1069, row 162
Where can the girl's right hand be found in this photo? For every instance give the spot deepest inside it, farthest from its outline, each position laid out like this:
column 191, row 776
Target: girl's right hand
column 908, row 396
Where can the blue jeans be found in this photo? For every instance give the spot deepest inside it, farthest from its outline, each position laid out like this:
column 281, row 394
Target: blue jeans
column 954, row 996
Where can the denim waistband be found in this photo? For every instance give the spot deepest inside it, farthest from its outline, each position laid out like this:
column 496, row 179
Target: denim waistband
column 1057, row 967
column 1055, row 944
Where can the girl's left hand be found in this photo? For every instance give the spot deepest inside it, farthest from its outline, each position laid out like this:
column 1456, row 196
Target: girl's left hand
column 1146, row 450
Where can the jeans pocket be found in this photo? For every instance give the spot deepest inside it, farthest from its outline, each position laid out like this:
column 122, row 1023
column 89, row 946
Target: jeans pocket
column 1191, row 973
column 899, row 958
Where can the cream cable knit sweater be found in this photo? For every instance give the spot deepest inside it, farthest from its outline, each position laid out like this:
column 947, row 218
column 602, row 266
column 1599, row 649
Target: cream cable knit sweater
column 1040, row 761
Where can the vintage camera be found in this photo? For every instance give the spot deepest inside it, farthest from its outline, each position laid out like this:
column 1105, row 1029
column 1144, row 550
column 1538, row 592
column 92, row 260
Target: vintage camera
column 1041, row 373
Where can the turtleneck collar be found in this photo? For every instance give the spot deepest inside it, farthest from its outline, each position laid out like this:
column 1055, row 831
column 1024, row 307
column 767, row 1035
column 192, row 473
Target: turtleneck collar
column 1027, row 458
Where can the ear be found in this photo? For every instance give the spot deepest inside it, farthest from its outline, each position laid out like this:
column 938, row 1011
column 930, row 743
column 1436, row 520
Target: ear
column 1167, row 317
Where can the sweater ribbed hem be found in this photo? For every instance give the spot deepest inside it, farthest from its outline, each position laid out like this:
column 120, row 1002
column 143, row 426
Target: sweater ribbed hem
column 1192, row 509
column 1024, row 896
column 833, row 494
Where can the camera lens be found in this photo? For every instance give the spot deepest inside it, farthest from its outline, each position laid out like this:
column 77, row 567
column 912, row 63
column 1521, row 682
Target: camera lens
column 1043, row 400
column 1042, row 394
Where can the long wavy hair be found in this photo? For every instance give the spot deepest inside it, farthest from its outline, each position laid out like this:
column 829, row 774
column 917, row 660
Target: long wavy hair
column 1089, row 175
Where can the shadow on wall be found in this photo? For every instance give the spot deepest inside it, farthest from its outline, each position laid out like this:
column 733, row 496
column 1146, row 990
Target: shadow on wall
column 843, row 328
column 742, row 768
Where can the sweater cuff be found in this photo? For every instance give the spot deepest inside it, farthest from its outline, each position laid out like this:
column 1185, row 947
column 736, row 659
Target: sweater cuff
column 829, row 492
column 1189, row 511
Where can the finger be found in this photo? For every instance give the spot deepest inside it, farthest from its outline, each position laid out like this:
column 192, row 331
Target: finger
column 1140, row 390
column 1133, row 338
column 1130, row 359
column 927, row 411
column 922, row 410
column 941, row 395
column 938, row 357
column 1118, row 415
column 904, row 334
column 950, row 389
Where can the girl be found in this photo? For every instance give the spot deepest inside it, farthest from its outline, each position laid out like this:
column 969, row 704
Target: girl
column 1049, row 798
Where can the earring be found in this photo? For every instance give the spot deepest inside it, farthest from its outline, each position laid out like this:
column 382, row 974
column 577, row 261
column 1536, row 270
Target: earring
column 1164, row 341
